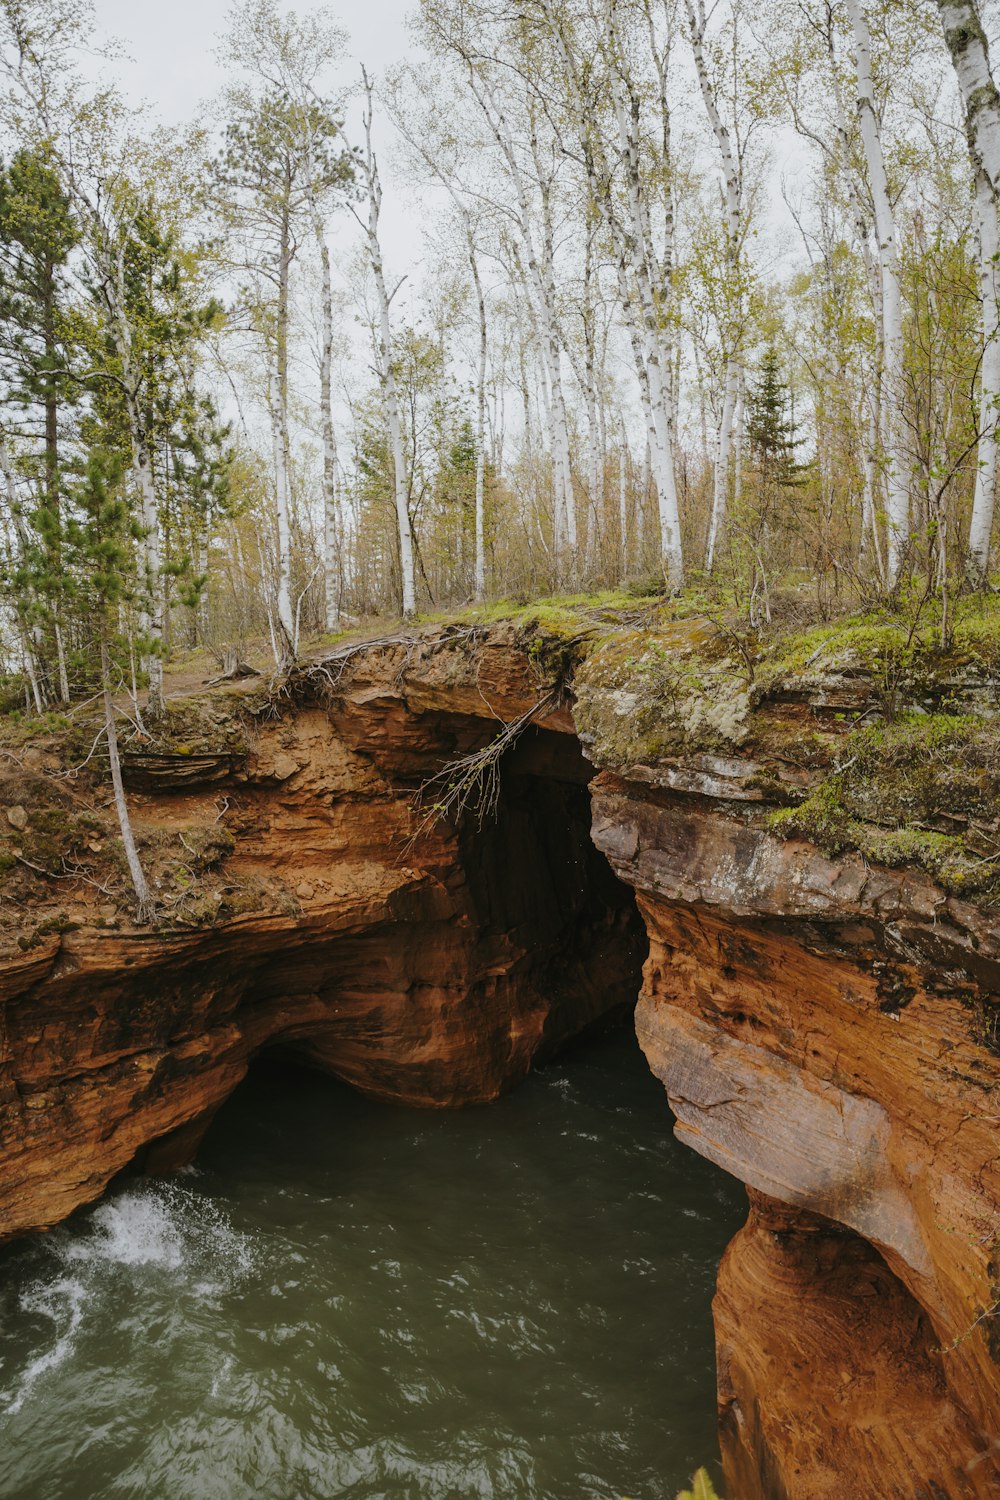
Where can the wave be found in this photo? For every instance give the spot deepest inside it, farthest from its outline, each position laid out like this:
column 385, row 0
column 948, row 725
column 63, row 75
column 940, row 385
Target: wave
column 162, row 1228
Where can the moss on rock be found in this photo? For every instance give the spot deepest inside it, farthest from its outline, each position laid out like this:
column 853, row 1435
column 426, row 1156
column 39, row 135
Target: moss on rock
column 641, row 698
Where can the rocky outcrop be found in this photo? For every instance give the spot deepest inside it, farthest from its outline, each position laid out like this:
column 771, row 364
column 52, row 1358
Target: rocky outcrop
column 823, row 1027
column 819, row 1028
column 421, row 963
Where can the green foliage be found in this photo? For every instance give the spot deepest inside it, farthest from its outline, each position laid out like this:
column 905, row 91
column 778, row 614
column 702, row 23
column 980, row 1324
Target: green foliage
column 924, row 790
column 278, row 152
column 770, row 429
column 702, row 1488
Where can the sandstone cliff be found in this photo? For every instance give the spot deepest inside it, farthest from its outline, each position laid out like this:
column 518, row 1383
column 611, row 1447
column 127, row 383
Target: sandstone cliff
column 823, row 1024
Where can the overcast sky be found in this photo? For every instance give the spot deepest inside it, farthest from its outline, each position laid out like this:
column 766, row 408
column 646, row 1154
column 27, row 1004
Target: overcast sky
column 171, row 66
column 172, row 43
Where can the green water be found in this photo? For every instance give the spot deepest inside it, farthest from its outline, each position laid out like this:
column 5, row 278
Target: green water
column 350, row 1299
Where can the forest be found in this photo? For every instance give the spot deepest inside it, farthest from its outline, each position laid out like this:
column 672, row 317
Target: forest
column 697, row 298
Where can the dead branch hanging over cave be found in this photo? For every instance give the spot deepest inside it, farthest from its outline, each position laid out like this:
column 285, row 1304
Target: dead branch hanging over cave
column 472, row 782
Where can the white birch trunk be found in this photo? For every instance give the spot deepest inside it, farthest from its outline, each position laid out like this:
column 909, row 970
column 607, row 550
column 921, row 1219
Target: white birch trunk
column 480, row 566
column 966, row 41
column 152, row 611
column 332, row 568
column 622, row 510
column 639, row 251
column 121, row 805
column 560, row 421
column 734, row 224
column 27, row 651
column 984, row 499
column 386, row 371
column 285, row 642
column 540, row 286
column 739, row 432
column 152, row 606
column 61, row 661
column 720, row 478
column 896, row 456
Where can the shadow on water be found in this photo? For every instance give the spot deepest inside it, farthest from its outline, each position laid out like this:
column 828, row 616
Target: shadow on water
column 350, row 1299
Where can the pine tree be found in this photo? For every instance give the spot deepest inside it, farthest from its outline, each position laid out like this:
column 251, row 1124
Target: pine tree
column 146, row 331
column 38, row 234
column 771, row 432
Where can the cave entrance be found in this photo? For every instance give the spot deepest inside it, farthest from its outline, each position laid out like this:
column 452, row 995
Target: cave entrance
column 507, row 939
column 537, row 881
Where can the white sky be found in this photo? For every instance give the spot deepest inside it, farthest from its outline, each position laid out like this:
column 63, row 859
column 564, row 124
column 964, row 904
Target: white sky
column 171, row 43
column 170, row 65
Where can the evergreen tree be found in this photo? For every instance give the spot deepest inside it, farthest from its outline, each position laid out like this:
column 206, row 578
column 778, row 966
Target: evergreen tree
column 37, row 236
column 771, row 432
column 147, row 328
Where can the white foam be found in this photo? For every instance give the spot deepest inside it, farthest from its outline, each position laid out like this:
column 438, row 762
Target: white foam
column 136, row 1229
column 62, row 1301
column 167, row 1225
column 151, row 1228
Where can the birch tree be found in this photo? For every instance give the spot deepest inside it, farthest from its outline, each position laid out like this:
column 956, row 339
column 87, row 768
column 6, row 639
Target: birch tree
column 732, row 176
column 430, row 133
column 295, row 56
column 969, row 49
column 897, row 458
column 529, row 160
column 644, row 276
column 369, row 172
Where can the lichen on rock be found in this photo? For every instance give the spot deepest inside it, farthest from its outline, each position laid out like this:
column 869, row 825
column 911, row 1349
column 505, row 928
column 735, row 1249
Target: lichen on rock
column 643, row 697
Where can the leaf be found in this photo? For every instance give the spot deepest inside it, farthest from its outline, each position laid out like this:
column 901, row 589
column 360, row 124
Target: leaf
column 701, row 1488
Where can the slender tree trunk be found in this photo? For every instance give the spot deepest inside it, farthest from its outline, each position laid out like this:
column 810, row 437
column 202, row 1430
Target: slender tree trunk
column 656, row 351
column 287, row 642
column 387, row 373
column 622, row 510
column 720, row 480
column 480, row 565
column 897, row 459
column 332, row 562
column 52, row 496
column 61, row 661
column 284, row 640
column 981, row 525
column 22, row 614
column 28, row 657
column 734, row 228
column 966, row 41
column 547, row 288
column 739, row 425
column 112, row 261
column 650, row 373
column 145, row 904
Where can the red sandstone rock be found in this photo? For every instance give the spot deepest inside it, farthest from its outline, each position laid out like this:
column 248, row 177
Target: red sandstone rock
column 786, row 1010
column 817, row 1024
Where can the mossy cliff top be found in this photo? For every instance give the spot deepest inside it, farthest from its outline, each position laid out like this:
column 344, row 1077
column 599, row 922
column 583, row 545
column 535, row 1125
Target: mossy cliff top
column 870, row 733
column 867, row 733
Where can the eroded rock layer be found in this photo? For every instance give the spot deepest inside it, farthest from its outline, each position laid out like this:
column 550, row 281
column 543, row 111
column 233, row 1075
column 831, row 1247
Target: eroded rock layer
column 823, row 1027
column 789, row 1008
column 421, row 964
